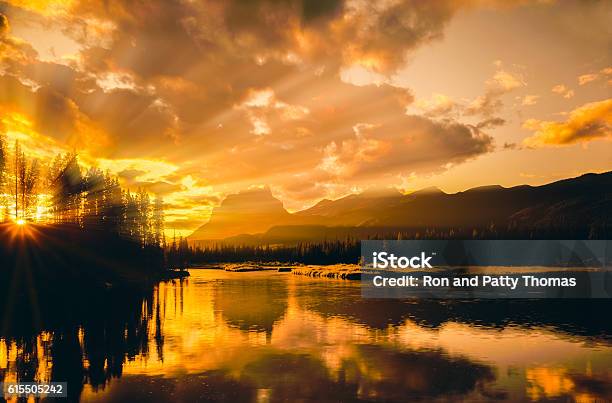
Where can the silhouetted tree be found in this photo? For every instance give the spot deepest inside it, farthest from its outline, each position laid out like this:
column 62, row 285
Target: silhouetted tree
column 67, row 189
column 143, row 221
column 3, row 177
column 16, row 177
column 158, row 222
column 28, row 187
column 131, row 227
column 94, row 186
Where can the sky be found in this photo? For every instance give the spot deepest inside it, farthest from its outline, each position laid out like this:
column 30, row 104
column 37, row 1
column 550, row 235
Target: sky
column 194, row 100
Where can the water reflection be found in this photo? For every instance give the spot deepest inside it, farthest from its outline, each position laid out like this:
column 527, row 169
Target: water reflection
column 252, row 304
column 276, row 337
column 81, row 339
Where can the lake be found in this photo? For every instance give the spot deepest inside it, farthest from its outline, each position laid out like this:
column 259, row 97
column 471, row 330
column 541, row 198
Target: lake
column 268, row 337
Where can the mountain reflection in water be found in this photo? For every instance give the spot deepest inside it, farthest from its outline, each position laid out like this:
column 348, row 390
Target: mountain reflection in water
column 222, row 336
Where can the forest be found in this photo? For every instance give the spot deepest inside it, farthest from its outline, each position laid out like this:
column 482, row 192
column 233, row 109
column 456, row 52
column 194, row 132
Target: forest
column 63, row 222
column 61, row 192
column 321, row 253
column 344, row 248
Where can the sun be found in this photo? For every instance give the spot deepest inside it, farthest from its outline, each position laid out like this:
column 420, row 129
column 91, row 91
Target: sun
column 20, row 222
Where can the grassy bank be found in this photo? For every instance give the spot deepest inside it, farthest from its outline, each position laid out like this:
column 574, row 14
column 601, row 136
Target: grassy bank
column 336, row 271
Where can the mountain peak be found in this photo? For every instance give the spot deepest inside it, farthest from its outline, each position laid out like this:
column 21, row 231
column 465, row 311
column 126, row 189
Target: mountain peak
column 247, row 212
column 379, row 192
column 431, row 190
column 485, row 188
column 249, row 197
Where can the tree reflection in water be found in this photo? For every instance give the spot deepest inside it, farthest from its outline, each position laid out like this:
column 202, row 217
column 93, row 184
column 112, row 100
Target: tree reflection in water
column 199, row 340
column 84, row 338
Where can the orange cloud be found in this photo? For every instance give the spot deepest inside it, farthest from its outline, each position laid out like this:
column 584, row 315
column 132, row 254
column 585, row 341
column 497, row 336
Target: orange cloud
column 605, row 73
column 589, row 122
column 44, row 7
column 563, row 91
column 501, row 83
column 529, row 100
column 586, row 78
column 437, row 105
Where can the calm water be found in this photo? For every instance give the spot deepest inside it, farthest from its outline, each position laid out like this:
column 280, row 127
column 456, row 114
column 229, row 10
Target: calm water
column 270, row 336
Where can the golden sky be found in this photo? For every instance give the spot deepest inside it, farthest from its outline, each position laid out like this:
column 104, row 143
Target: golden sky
column 316, row 99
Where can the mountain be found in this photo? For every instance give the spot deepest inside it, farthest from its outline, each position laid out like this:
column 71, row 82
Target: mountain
column 584, row 202
column 248, row 212
column 353, row 210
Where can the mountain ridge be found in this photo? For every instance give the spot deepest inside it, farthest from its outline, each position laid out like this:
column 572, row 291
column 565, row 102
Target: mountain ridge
column 585, row 200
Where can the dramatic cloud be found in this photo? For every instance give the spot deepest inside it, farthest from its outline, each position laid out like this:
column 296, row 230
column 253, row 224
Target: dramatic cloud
column 144, row 37
column 197, row 99
column 415, row 143
column 589, row 122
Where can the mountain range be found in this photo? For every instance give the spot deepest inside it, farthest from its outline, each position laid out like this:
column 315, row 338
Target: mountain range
column 257, row 216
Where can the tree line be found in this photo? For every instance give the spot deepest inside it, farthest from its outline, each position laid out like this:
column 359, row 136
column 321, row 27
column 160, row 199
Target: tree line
column 323, row 252
column 347, row 249
column 61, row 191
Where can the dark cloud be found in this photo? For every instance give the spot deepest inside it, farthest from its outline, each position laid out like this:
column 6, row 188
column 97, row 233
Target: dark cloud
column 4, row 25
column 168, row 37
column 131, row 174
column 413, row 144
column 491, row 123
column 203, row 57
column 314, row 11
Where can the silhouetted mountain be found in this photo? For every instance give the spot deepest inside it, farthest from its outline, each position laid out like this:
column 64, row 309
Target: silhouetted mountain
column 354, row 210
column 583, row 203
column 248, row 212
column 579, row 201
column 427, row 191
